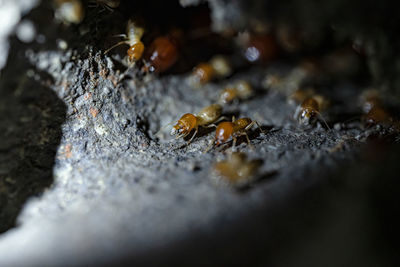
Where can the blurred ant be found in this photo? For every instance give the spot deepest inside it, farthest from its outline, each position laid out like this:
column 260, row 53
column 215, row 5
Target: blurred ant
column 132, row 37
column 69, row 11
column 188, row 122
column 372, row 107
column 163, row 52
column 237, row 170
column 309, row 111
column 239, row 91
column 227, row 131
column 218, row 66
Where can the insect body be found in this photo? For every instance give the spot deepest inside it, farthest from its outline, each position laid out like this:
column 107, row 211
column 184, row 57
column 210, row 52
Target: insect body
column 377, row 115
column 227, row 131
column 132, row 37
column 188, row 122
column 373, row 108
column 162, row 54
column 309, row 110
column 69, row 11
column 239, row 91
column 217, row 67
column 237, row 170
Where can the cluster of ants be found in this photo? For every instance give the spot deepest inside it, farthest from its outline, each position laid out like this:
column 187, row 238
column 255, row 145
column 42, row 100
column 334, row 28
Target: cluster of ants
column 162, row 54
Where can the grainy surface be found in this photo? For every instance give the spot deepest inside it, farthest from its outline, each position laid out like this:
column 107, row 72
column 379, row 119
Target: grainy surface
column 79, row 153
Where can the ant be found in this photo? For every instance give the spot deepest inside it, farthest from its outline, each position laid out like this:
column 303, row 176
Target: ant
column 237, row 170
column 299, row 95
column 69, row 11
column 226, row 131
column 309, row 110
column 239, row 91
column 132, row 38
column 370, row 99
column 163, row 52
column 372, row 107
column 218, row 66
column 188, row 122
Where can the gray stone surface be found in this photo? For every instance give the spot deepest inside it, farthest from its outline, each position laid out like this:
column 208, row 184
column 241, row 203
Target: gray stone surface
column 92, row 184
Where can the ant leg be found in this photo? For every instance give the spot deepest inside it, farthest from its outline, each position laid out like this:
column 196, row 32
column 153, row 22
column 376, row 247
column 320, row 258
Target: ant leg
column 248, row 141
column 182, row 135
column 221, row 118
column 248, row 127
column 259, row 127
column 210, row 125
column 108, row 8
column 186, row 134
column 297, row 113
column 123, row 35
column 195, row 132
column 234, row 143
column 179, row 136
column 102, row 9
column 209, row 147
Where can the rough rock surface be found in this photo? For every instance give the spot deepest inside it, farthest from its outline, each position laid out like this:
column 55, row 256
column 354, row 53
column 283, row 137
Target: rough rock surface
column 78, row 148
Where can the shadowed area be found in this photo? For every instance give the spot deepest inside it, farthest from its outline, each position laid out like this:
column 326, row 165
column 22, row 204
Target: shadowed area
column 30, row 131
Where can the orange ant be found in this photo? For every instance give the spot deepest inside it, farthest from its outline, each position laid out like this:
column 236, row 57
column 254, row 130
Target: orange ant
column 370, row 99
column 188, row 122
column 237, row 170
column 132, row 38
column 163, row 52
column 239, row 91
column 227, row 131
column 309, row 110
column 372, row 106
column 218, row 66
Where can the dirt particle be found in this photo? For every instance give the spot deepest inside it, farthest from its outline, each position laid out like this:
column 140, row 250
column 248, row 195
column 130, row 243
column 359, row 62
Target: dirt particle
column 94, row 112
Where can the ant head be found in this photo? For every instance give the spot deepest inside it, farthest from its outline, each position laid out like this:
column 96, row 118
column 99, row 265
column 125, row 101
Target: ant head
column 307, row 116
column 176, row 129
column 135, row 52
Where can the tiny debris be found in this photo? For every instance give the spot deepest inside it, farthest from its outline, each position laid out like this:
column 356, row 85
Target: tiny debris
column 94, row 112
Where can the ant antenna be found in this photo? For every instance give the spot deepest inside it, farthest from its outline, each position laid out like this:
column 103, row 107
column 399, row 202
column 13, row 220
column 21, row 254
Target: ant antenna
column 162, row 128
column 118, row 44
column 322, row 118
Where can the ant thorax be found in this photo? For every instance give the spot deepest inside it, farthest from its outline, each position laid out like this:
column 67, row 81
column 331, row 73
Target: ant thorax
column 134, row 32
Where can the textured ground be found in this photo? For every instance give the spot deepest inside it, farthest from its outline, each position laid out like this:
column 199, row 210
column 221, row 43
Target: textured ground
column 91, row 183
